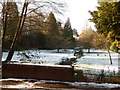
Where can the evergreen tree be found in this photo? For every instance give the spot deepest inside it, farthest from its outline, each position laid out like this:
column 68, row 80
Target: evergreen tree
column 107, row 20
column 52, row 27
column 52, row 32
column 68, row 35
column 67, row 29
column 12, row 20
column 18, row 32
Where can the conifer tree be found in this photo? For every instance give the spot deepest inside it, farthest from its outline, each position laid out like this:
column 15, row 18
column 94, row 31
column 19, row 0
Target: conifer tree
column 11, row 11
column 107, row 20
column 52, row 31
column 68, row 35
column 18, row 32
column 52, row 25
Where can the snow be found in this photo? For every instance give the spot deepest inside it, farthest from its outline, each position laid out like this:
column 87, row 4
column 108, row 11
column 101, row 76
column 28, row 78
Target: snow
column 65, row 66
column 96, row 60
column 107, row 85
column 26, row 83
column 46, row 56
column 91, row 63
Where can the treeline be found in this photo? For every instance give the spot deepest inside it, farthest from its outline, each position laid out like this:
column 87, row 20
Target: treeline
column 39, row 32
column 49, row 35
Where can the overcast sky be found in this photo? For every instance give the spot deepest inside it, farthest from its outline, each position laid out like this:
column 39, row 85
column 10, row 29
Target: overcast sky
column 78, row 13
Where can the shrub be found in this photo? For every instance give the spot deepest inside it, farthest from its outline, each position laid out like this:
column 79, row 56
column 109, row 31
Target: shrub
column 113, row 47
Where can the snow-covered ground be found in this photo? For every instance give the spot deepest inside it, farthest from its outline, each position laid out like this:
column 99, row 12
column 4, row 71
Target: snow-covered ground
column 92, row 62
column 99, row 61
column 96, row 60
column 45, row 56
column 30, row 83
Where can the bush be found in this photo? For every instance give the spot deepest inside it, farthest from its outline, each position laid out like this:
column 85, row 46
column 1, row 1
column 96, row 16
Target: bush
column 113, row 47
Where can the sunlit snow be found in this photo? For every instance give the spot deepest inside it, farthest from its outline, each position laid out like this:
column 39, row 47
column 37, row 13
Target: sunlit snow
column 96, row 60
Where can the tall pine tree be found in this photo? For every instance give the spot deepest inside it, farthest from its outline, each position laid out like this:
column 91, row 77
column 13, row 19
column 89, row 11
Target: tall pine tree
column 69, row 41
column 52, row 32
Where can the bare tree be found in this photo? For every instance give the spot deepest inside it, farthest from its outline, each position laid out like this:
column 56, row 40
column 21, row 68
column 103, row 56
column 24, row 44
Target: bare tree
column 18, row 31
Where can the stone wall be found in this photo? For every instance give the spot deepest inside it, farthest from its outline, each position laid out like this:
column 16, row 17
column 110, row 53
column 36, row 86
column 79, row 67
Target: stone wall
column 40, row 72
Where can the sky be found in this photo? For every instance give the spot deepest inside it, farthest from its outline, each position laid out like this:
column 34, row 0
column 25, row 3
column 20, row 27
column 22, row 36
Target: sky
column 77, row 11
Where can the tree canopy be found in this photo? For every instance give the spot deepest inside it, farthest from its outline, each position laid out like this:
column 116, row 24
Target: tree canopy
column 107, row 20
column 52, row 30
column 91, row 39
column 11, row 15
column 68, row 35
column 85, row 38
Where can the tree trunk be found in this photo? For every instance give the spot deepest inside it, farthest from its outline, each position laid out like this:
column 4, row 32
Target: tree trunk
column 18, row 32
column 4, row 31
column 0, row 49
column 58, row 50
column 110, row 57
column 65, row 49
column 109, row 53
column 88, row 50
